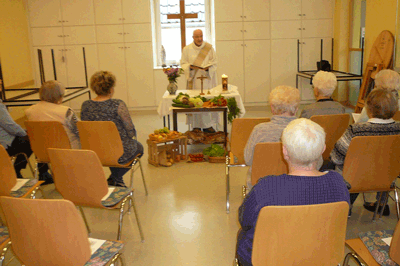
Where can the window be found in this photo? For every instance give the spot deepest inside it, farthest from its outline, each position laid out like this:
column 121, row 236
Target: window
column 168, row 31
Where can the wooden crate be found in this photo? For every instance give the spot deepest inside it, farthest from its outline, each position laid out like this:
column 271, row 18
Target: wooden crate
column 176, row 147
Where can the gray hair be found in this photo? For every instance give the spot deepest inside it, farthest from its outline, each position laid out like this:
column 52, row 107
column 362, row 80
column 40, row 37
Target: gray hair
column 304, row 141
column 325, row 82
column 284, row 99
column 387, row 79
column 51, row 91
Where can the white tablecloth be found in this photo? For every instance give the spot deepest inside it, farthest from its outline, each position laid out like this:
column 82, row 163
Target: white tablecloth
column 164, row 108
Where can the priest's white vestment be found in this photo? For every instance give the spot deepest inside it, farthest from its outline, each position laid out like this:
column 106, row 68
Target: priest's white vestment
column 189, row 55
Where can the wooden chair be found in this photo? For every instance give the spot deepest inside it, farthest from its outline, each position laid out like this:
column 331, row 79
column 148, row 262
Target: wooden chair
column 44, row 135
column 103, row 138
column 372, row 164
column 8, row 179
column 300, row 235
column 396, row 116
column 241, row 130
column 361, row 252
column 334, row 126
column 58, row 237
column 79, row 177
column 268, row 160
column 4, row 243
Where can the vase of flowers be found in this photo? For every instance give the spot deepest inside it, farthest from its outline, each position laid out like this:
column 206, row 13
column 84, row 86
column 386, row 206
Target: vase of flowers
column 172, row 74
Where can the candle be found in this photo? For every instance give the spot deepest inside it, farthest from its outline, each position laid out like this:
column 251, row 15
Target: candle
column 224, row 82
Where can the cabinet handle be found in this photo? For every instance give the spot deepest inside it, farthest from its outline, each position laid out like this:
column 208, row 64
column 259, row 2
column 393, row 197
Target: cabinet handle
column 123, row 18
column 303, row 43
column 245, row 30
column 66, row 35
column 59, row 36
column 65, row 20
column 241, row 16
column 299, row 29
column 60, row 21
column 304, row 28
column 300, row 15
column 120, row 33
column 304, row 15
column 244, row 16
column 126, row 32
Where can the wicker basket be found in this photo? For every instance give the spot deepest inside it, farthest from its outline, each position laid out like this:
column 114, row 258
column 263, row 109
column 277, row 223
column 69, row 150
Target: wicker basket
column 216, row 159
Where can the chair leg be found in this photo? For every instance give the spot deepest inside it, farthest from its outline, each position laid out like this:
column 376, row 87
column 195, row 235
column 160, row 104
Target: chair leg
column 144, row 182
column 227, row 183
column 132, row 203
column 84, row 219
column 118, row 256
column 3, row 253
column 36, row 174
column 396, row 196
column 13, row 158
column 355, row 257
column 384, row 204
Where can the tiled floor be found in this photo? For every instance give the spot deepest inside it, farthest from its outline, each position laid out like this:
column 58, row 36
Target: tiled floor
column 183, row 217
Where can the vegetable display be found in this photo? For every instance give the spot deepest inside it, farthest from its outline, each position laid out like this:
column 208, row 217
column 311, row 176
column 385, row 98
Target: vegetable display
column 214, row 151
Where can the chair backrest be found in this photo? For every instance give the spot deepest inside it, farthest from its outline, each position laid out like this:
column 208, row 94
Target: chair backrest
column 46, row 232
column 103, row 138
column 394, row 250
column 268, row 160
column 334, row 126
column 78, row 176
column 241, row 130
column 300, row 235
column 44, row 135
column 372, row 163
column 8, row 177
column 396, row 116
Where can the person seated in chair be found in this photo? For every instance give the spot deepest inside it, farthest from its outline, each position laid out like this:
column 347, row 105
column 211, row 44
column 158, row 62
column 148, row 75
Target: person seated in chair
column 284, row 102
column 384, row 79
column 324, row 84
column 104, row 108
column 50, row 108
column 303, row 144
column 15, row 140
column 381, row 107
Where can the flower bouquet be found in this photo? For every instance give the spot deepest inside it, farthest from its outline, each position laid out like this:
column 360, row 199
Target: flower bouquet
column 172, row 74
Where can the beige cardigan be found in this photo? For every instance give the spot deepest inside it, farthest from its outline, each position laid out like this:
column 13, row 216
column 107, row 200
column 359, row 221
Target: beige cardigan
column 45, row 111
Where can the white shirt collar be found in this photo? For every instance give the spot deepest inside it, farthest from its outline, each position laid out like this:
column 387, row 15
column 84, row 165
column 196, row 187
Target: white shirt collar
column 380, row 121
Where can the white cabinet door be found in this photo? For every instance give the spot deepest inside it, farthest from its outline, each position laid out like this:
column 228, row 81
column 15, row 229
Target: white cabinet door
column 290, row 29
column 108, row 11
column 139, row 65
column 285, row 10
column 110, row 34
column 228, row 10
column 136, row 11
column 317, row 28
column 44, row 13
column 112, row 58
column 283, row 62
column 256, row 30
column 255, row 10
column 47, row 62
column 75, row 13
column 47, row 36
column 229, row 31
column 316, row 9
column 137, row 32
column 79, row 35
column 257, row 71
column 230, row 62
column 75, row 68
column 310, row 50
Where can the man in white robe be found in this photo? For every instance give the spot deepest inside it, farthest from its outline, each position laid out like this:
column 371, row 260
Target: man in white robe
column 200, row 54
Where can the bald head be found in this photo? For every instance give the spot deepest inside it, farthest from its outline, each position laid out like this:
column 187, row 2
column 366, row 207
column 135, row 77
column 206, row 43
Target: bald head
column 198, row 37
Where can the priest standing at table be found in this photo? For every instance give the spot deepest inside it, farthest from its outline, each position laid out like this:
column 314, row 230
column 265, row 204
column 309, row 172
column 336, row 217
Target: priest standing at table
column 199, row 59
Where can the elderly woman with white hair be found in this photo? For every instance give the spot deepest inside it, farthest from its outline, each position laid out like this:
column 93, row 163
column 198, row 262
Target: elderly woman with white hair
column 284, row 102
column 303, row 144
column 50, row 108
column 324, row 84
column 385, row 79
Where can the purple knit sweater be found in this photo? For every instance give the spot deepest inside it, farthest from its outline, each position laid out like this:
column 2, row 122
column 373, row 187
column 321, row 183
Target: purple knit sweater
column 281, row 191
